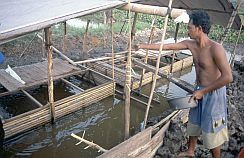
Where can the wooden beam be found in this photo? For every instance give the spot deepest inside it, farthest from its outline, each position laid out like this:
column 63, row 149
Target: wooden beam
column 64, row 37
column 60, row 53
column 154, row 10
column 127, row 85
column 48, row 40
column 175, row 38
column 32, row 98
column 84, row 46
column 133, row 98
column 73, row 85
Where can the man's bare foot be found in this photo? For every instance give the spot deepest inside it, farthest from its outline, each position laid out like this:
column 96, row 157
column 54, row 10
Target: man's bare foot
column 185, row 154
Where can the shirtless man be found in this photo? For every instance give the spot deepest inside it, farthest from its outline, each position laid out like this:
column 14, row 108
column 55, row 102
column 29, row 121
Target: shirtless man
column 213, row 72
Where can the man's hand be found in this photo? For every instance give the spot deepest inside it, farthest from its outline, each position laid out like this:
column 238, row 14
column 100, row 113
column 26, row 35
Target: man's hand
column 196, row 96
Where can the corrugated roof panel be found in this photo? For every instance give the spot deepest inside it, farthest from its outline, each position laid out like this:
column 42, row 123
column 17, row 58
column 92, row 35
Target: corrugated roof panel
column 23, row 16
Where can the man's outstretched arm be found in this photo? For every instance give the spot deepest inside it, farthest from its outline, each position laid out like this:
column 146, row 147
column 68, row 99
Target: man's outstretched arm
column 172, row 46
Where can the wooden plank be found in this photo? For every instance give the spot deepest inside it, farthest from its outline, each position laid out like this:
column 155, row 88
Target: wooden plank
column 9, row 82
column 36, row 74
column 126, row 147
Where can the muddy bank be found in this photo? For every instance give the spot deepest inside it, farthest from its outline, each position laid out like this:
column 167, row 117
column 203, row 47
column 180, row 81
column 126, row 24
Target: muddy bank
column 176, row 138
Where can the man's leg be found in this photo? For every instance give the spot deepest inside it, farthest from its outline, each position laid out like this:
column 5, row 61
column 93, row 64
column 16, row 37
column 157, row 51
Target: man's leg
column 191, row 147
column 216, row 152
column 192, row 144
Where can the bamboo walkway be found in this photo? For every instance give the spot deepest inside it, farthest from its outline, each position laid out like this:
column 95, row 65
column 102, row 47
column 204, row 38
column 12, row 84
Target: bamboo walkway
column 36, row 74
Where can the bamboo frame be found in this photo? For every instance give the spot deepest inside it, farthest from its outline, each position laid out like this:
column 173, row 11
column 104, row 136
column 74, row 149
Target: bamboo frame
column 63, row 107
column 105, row 69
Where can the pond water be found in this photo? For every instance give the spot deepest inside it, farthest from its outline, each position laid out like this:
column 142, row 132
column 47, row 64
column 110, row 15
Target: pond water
column 102, row 121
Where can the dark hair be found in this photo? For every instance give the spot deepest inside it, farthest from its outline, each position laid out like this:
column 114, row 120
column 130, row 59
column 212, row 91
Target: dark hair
column 201, row 18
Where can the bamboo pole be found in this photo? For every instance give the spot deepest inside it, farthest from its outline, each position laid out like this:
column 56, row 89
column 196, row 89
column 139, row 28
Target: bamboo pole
column 154, row 10
column 48, row 34
column 157, row 66
column 146, row 57
column 127, row 86
column 73, row 85
column 65, row 37
column 133, row 30
column 90, row 144
column 84, row 49
column 93, row 60
column 43, row 43
column 32, row 98
column 175, row 38
column 231, row 20
column 133, row 98
column 58, row 52
column 112, row 50
column 233, row 54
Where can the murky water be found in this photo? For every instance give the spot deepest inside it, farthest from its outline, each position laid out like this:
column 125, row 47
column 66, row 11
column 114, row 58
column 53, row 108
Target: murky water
column 103, row 122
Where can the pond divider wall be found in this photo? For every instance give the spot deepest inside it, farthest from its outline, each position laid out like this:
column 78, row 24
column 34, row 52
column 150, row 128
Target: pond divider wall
column 42, row 115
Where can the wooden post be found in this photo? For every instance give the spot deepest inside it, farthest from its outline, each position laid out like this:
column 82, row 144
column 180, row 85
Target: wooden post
column 233, row 54
column 84, row 47
column 112, row 49
column 133, row 30
column 48, row 40
column 175, row 38
column 65, row 37
column 231, row 20
column 43, row 44
column 127, row 86
column 146, row 57
column 157, row 65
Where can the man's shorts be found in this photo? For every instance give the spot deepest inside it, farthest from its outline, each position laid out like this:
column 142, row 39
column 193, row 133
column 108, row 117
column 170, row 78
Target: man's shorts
column 210, row 140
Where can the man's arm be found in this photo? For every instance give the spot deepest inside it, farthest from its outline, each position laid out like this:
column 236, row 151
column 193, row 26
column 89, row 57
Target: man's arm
column 172, row 46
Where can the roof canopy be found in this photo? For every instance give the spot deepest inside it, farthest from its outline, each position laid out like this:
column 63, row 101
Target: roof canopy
column 218, row 10
column 23, row 16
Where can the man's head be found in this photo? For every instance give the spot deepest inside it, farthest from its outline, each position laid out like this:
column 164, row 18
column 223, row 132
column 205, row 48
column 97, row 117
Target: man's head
column 199, row 22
